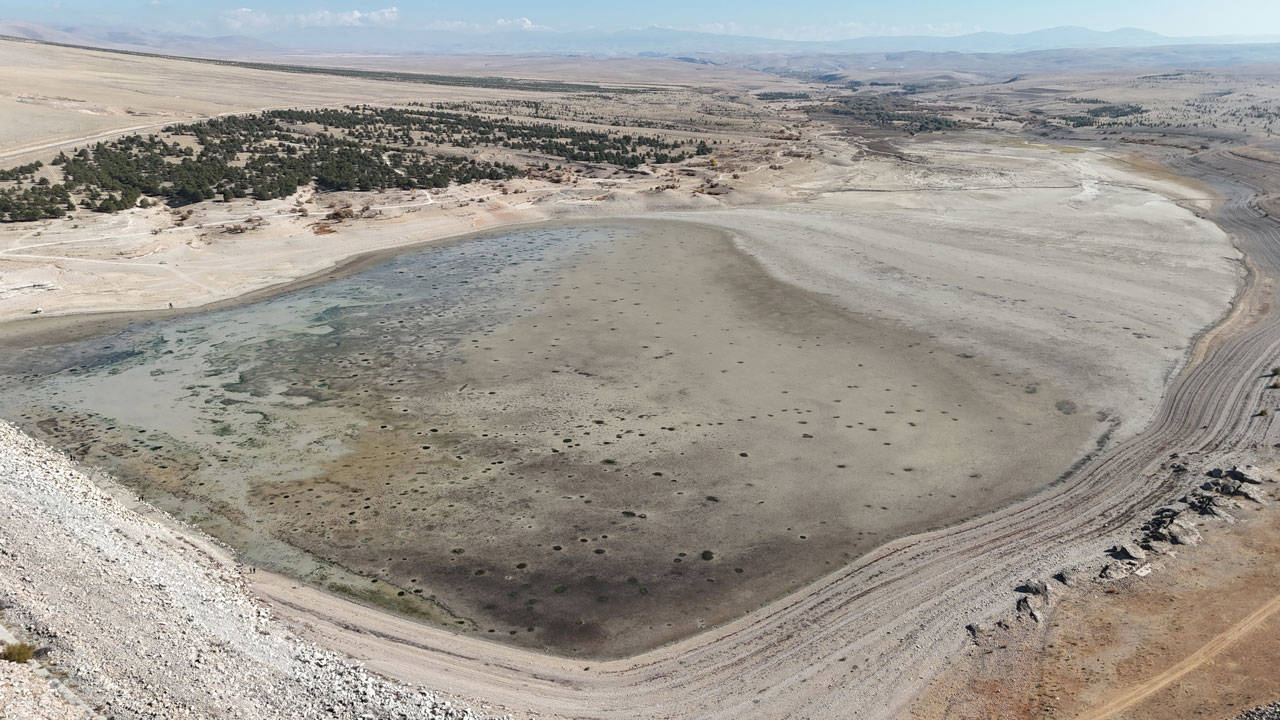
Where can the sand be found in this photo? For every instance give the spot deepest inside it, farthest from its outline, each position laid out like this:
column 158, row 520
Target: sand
column 644, row 449
column 64, row 94
column 865, row 639
column 674, row 443
column 842, row 349
column 1054, row 266
column 903, row 605
column 1195, row 636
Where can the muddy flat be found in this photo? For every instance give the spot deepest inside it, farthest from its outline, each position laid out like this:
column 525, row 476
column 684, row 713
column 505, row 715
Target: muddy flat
column 784, row 429
column 589, row 439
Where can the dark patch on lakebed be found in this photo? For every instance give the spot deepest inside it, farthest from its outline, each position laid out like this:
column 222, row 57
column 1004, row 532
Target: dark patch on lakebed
column 589, row 440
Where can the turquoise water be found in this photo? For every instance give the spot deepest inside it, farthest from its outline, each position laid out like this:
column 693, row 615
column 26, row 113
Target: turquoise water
column 205, row 414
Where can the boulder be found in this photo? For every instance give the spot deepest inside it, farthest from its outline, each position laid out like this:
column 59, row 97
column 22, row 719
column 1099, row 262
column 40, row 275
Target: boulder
column 1128, row 551
column 1232, row 487
column 1181, row 532
column 1209, row 504
column 1025, row 607
column 1248, row 474
column 1227, row 487
column 1034, row 587
column 1250, row 492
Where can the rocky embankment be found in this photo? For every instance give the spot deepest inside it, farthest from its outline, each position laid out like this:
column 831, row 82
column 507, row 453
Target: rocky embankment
column 26, row 696
column 1214, row 492
column 1266, row 712
column 142, row 620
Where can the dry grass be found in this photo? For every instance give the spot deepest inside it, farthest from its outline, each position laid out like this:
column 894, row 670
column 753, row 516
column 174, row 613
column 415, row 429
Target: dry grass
column 18, row 652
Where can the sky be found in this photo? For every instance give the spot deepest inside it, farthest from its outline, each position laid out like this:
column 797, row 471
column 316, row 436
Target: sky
column 792, row 20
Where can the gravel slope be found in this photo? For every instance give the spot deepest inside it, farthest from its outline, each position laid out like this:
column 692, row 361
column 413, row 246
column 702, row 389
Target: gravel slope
column 26, row 696
column 147, row 622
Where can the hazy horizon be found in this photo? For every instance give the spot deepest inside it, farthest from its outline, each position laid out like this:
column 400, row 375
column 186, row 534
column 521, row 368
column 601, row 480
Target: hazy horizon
column 801, row 20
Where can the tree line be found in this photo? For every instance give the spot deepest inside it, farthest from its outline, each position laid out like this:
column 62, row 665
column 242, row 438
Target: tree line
column 271, row 154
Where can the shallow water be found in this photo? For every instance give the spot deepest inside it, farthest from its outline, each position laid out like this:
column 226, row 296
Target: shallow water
column 591, row 440
column 202, row 411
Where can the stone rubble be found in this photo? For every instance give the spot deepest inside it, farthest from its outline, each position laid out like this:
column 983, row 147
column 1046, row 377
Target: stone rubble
column 1266, row 712
column 26, row 696
column 1227, row 490
column 146, row 620
column 1215, row 497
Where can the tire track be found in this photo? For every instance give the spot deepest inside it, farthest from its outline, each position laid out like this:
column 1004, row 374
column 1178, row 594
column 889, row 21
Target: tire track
column 863, row 641
column 1202, row 655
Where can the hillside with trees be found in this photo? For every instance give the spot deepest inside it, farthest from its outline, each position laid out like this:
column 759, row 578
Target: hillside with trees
column 271, row 154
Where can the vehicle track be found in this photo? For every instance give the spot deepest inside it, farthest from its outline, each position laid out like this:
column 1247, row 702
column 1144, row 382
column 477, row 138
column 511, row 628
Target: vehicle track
column 863, row 641
column 1202, row 655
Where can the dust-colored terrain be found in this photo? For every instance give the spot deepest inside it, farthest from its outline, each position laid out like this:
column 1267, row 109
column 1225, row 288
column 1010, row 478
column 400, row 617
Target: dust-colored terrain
column 1060, row 266
column 743, row 413
column 136, row 618
column 1194, row 636
column 824, row 432
column 25, row 695
column 62, row 95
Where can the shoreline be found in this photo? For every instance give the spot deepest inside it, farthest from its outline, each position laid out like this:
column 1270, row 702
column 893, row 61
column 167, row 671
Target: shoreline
column 1005, row 379
column 206, row 630
column 778, row 292
column 36, row 331
column 379, row 638
column 1143, row 673
column 92, row 323
column 26, row 333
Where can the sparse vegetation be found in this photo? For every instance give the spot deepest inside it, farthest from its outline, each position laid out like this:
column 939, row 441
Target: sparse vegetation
column 270, row 155
column 1080, row 120
column 18, row 652
column 20, row 172
column 889, row 111
column 783, row 96
column 1115, row 111
column 1101, row 114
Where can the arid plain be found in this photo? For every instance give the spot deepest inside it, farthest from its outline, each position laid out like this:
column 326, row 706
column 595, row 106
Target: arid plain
column 766, row 370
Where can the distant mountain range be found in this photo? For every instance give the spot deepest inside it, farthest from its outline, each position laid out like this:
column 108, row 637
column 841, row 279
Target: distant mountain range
column 122, row 39
column 653, row 41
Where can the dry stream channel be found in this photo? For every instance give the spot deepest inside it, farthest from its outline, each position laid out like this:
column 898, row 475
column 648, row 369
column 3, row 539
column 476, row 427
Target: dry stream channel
column 589, row 439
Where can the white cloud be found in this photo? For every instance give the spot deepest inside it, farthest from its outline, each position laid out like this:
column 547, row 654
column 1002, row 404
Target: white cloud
column 246, row 19
column 722, row 28
column 350, row 18
column 250, row 19
column 501, row 24
column 520, row 24
column 833, row 31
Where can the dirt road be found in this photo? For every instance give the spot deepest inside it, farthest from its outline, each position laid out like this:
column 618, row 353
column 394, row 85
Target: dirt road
column 1204, row 654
